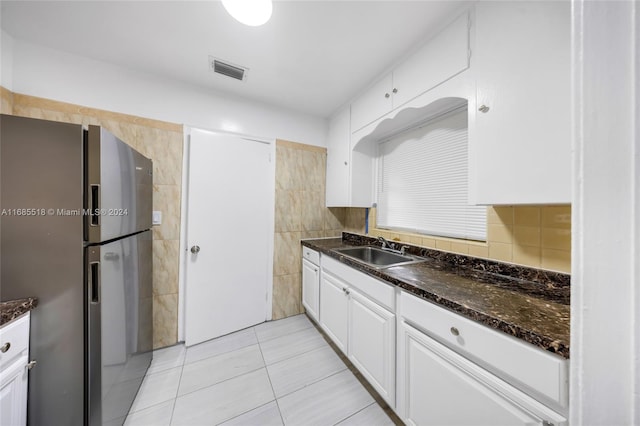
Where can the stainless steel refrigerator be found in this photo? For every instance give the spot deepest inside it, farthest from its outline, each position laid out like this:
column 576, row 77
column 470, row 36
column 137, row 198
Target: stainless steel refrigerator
column 76, row 212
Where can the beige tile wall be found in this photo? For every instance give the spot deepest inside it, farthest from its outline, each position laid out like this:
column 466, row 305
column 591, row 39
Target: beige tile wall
column 6, row 101
column 536, row 236
column 160, row 141
column 300, row 213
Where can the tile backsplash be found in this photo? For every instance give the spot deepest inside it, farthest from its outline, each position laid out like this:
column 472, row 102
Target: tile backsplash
column 536, row 236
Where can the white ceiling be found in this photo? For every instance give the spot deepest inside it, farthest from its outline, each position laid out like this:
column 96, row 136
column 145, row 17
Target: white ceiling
column 312, row 56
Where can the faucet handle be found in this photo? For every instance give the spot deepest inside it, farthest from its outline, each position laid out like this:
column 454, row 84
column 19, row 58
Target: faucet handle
column 403, row 249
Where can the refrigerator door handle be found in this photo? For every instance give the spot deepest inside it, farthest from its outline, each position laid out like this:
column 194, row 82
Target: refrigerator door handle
column 94, row 205
column 94, row 282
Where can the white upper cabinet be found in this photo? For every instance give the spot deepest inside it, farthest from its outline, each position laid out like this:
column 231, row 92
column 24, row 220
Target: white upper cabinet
column 440, row 58
column 520, row 147
column 374, row 103
column 338, row 160
column 349, row 172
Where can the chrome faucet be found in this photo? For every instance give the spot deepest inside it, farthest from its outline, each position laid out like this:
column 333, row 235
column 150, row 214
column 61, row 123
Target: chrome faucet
column 385, row 243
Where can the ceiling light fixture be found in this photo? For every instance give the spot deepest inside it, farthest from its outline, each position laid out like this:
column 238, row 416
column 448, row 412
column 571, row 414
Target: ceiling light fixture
column 250, row 12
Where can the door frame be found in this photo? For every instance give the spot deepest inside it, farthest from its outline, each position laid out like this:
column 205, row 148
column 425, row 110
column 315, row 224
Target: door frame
column 184, row 210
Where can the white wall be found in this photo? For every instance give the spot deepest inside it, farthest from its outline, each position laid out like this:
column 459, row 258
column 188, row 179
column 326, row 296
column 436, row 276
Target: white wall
column 605, row 293
column 6, row 60
column 52, row 74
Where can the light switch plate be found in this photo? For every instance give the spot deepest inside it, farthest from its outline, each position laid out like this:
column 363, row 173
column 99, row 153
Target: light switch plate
column 156, row 218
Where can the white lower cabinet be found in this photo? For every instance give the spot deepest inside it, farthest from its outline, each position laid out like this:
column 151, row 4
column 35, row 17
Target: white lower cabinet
column 334, row 309
column 437, row 386
column 311, row 288
column 362, row 329
column 372, row 344
column 433, row 366
column 14, row 374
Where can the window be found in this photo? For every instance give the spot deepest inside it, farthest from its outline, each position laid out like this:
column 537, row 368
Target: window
column 423, row 181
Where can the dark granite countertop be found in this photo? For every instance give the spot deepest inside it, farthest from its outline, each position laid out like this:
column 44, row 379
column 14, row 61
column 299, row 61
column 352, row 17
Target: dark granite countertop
column 12, row 309
column 527, row 303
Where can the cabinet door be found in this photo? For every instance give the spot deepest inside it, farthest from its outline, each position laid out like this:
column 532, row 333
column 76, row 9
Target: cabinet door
column 338, row 159
column 373, row 104
column 334, row 309
column 372, row 344
column 521, row 145
column 13, row 393
column 310, row 288
column 442, row 57
column 439, row 387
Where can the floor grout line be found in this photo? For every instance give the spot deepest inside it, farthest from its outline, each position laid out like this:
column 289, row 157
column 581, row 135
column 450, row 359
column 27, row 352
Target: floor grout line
column 310, row 325
column 353, row 414
column 241, row 414
column 175, row 399
column 223, row 381
column 270, row 382
column 293, row 356
column 311, row 383
column 221, row 353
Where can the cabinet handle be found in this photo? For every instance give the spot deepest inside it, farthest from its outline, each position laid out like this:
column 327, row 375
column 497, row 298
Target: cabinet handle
column 386, row 95
column 30, row 365
column 454, row 331
column 315, row 269
column 345, row 163
column 4, row 348
column 348, row 292
column 483, row 108
column 395, row 90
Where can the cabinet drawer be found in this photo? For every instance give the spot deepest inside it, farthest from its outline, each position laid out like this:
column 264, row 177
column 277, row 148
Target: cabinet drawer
column 376, row 290
column 16, row 335
column 311, row 255
column 544, row 373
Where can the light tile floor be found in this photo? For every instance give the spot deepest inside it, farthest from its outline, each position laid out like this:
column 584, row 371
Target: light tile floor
column 277, row 373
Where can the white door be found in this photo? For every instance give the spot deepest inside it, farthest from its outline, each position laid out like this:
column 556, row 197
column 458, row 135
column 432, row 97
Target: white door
column 372, row 344
column 229, row 258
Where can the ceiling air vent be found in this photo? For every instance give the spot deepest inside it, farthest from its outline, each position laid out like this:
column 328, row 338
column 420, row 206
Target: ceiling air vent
column 225, row 68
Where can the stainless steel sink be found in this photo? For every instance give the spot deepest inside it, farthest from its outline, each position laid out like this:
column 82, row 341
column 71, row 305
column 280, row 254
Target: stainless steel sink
column 378, row 258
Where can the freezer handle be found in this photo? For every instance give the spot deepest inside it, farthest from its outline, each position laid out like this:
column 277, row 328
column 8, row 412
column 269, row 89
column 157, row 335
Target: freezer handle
column 95, row 205
column 94, row 282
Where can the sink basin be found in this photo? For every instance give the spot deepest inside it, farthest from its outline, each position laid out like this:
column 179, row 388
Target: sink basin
column 378, row 258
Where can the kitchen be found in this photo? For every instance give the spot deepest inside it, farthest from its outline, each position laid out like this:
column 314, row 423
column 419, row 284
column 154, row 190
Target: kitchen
column 55, row 91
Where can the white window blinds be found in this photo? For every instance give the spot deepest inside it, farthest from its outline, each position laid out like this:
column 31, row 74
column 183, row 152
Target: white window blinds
column 422, row 181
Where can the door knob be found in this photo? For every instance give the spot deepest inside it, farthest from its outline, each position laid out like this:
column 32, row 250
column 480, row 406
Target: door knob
column 195, row 249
